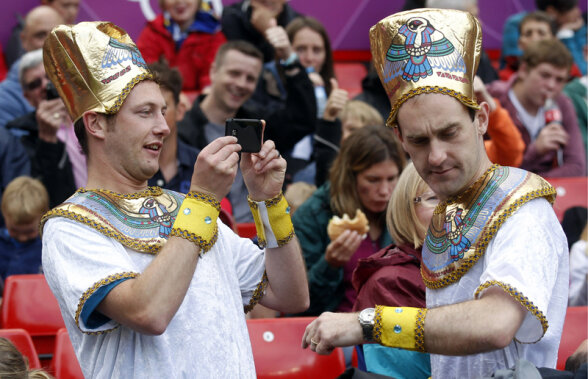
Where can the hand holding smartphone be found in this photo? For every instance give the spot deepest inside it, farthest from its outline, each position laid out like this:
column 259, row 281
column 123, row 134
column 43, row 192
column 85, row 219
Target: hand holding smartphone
column 249, row 133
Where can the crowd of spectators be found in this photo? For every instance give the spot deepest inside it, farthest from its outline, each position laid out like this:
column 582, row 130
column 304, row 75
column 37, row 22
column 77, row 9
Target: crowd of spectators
column 264, row 60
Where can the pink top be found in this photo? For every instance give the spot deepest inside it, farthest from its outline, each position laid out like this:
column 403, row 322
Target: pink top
column 67, row 135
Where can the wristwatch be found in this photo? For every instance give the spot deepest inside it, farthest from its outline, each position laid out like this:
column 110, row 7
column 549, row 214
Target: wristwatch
column 366, row 320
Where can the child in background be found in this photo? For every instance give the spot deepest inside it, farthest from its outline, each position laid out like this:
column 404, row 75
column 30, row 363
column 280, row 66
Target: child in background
column 14, row 365
column 187, row 34
column 297, row 193
column 24, row 202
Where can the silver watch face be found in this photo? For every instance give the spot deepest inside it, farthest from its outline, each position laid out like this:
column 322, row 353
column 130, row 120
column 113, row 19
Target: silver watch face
column 367, row 315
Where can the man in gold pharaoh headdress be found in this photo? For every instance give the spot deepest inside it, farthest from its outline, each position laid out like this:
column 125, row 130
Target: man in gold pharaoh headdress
column 495, row 259
column 150, row 283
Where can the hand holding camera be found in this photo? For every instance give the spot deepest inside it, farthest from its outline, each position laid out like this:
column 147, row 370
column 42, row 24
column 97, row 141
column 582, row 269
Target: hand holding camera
column 50, row 115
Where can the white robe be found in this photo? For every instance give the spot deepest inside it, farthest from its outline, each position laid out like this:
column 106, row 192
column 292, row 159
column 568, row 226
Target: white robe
column 207, row 338
column 528, row 253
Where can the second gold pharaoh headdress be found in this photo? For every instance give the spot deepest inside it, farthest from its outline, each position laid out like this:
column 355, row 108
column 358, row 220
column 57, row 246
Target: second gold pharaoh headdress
column 427, row 51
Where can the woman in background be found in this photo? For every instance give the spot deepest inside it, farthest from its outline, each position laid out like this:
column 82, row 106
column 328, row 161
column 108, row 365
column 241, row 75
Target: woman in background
column 392, row 276
column 362, row 177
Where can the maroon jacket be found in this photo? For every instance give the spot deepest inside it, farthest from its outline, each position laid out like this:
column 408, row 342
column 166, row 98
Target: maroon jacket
column 193, row 59
column 574, row 156
column 391, row 277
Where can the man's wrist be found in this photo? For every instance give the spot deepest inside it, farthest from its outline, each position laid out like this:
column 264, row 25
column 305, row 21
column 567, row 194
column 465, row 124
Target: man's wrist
column 272, row 221
column 366, row 320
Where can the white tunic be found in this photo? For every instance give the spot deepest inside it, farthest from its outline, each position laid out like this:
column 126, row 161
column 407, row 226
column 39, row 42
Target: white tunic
column 207, row 338
column 529, row 253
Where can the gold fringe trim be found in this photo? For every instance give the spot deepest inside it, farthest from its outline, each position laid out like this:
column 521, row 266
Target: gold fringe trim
column 148, row 192
column 205, row 198
column 378, row 324
column 419, row 331
column 125, row 92
column 86, row 295
column 257, row 294
column 205, row 246
column 124, row 240
column 522, row 299
column 391, row 122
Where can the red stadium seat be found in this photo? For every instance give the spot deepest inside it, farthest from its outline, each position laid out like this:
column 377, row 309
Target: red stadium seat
column 277, row 352
column 23, row 342
column 246, row 229
column 28, row 303
column 65, row 364
column 227, row 218
column 570, row 192
column 575, row 330
column 349, row 76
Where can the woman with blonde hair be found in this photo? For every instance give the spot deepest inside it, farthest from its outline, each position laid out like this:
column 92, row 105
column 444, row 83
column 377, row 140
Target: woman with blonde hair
column 392, row 276
column 362, row 177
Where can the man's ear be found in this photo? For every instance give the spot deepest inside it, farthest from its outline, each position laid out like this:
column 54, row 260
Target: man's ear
column 95, row 124
column 482, row 116
column 182, row 106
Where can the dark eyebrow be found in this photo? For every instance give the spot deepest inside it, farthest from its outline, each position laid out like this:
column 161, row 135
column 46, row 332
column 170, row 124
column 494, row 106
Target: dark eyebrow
column 151, row 104
column 437, row 131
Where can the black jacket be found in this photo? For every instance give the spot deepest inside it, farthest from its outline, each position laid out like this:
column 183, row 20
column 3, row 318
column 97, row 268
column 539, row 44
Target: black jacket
column 49, row 161
column 236, row 26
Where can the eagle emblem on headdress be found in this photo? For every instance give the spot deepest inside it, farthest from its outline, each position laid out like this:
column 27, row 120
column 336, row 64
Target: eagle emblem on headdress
column 118, row 52
column 425, row 48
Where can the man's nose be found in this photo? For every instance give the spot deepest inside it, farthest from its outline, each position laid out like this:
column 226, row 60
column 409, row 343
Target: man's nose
column 437, row 154
column 162, row 127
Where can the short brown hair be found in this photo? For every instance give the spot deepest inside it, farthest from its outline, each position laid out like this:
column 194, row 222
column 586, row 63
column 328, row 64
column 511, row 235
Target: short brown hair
column 539, row 16
column 241, row 46
column 550, row 51
column 168, row 78
column 24, row 200
column 363, row 148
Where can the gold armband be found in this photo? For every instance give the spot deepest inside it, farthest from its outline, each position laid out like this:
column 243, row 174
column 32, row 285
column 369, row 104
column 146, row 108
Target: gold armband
column 272, row 221
column 196, row 220
column 402, row 327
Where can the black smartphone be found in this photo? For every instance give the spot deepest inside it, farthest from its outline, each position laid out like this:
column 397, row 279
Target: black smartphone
column 249, row 133
column 51, row 91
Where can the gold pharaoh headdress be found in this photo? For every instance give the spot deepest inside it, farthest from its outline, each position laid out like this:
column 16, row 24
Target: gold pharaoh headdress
column 93, row 65
column 427, row 51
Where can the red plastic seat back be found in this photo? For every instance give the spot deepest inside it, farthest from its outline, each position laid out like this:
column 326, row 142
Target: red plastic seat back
column 246, row 229
column 23, row 342
column 28, row 303
column 277, row 352
column 575, row 330
column 570, row 192
column 65, row 364
column 349, row 77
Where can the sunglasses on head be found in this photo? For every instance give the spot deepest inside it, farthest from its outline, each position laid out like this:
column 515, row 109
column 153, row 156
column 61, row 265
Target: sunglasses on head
column 33, row 85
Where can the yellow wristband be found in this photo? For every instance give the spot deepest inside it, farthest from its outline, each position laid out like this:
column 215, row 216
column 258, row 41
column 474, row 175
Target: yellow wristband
column 272, row 221
column 402, row 327
column 196, row 220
